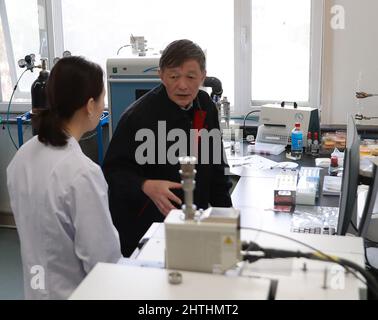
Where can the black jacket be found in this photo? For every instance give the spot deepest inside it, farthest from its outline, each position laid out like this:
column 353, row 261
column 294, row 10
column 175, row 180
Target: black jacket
column 132, row 211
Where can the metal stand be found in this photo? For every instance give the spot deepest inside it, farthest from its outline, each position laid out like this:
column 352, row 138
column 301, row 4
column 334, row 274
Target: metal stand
column 26, row 117
column 188, row 173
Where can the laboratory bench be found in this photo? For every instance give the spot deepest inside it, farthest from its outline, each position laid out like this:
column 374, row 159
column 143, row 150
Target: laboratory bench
column 281, row 279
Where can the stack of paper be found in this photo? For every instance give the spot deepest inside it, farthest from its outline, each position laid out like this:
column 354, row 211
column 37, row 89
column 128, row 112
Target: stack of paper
column 332, row 185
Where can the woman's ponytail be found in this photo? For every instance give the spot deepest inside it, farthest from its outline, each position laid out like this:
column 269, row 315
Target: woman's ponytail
column 51, row 129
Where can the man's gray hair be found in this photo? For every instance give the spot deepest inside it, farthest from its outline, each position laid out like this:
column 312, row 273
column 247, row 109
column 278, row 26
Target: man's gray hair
column 180, row 51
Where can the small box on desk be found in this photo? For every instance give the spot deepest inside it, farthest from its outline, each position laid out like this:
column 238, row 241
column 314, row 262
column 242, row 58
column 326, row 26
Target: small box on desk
column 308, row 185
column 285, row 188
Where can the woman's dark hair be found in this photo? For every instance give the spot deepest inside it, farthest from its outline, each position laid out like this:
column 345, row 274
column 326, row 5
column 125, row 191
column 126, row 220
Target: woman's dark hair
column 180, row 51
column 72, row 82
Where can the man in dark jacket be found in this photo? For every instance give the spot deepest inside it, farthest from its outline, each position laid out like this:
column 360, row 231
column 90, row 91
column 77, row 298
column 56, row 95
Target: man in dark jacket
column 141, row 165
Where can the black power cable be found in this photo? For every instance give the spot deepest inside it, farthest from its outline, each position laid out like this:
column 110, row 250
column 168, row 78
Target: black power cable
column 246, row 116
column 370, row 283
column 253, row 246
column 127, row 45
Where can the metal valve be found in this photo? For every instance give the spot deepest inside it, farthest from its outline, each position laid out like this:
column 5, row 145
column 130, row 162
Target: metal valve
column 188, row 173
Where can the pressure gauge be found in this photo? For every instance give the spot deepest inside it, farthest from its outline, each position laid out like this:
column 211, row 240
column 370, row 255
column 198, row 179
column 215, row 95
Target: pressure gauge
column 22, row 63
column 298, row 117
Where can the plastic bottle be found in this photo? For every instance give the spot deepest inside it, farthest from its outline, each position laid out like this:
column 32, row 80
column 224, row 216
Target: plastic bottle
column 333, row 167
column 309, row 143
column 315, row 145
column 297, row 141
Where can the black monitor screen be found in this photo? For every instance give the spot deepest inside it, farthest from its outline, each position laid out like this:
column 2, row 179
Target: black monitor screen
column 350, row 180
column 368, row 227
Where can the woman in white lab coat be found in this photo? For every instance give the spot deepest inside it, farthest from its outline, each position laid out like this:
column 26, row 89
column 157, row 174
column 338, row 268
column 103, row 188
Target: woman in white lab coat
column 58, row 195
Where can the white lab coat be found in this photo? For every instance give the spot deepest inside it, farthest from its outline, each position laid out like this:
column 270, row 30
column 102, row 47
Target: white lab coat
column 60, row 204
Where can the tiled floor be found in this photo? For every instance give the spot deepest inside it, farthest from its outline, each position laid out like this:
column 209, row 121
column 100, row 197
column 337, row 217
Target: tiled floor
column 11, row 281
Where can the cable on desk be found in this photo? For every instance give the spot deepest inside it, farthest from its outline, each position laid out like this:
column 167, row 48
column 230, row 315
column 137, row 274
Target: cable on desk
column 256, row 247
column 288, row 238
column 370, row 283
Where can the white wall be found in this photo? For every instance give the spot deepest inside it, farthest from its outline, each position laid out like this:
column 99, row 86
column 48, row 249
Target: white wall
column 347, row 54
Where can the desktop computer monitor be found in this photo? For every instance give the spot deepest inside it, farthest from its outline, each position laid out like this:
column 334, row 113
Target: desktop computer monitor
column 347, row 221
column 368, row 227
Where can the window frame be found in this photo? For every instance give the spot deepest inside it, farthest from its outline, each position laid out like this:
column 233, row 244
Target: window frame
column 8, row 44
column 242, row 52
column 52, row 16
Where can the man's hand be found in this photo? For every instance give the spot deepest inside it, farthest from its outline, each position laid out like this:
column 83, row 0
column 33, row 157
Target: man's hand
column 159, row 192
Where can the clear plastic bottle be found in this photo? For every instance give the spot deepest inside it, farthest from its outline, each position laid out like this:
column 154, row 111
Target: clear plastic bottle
column 297, row 141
